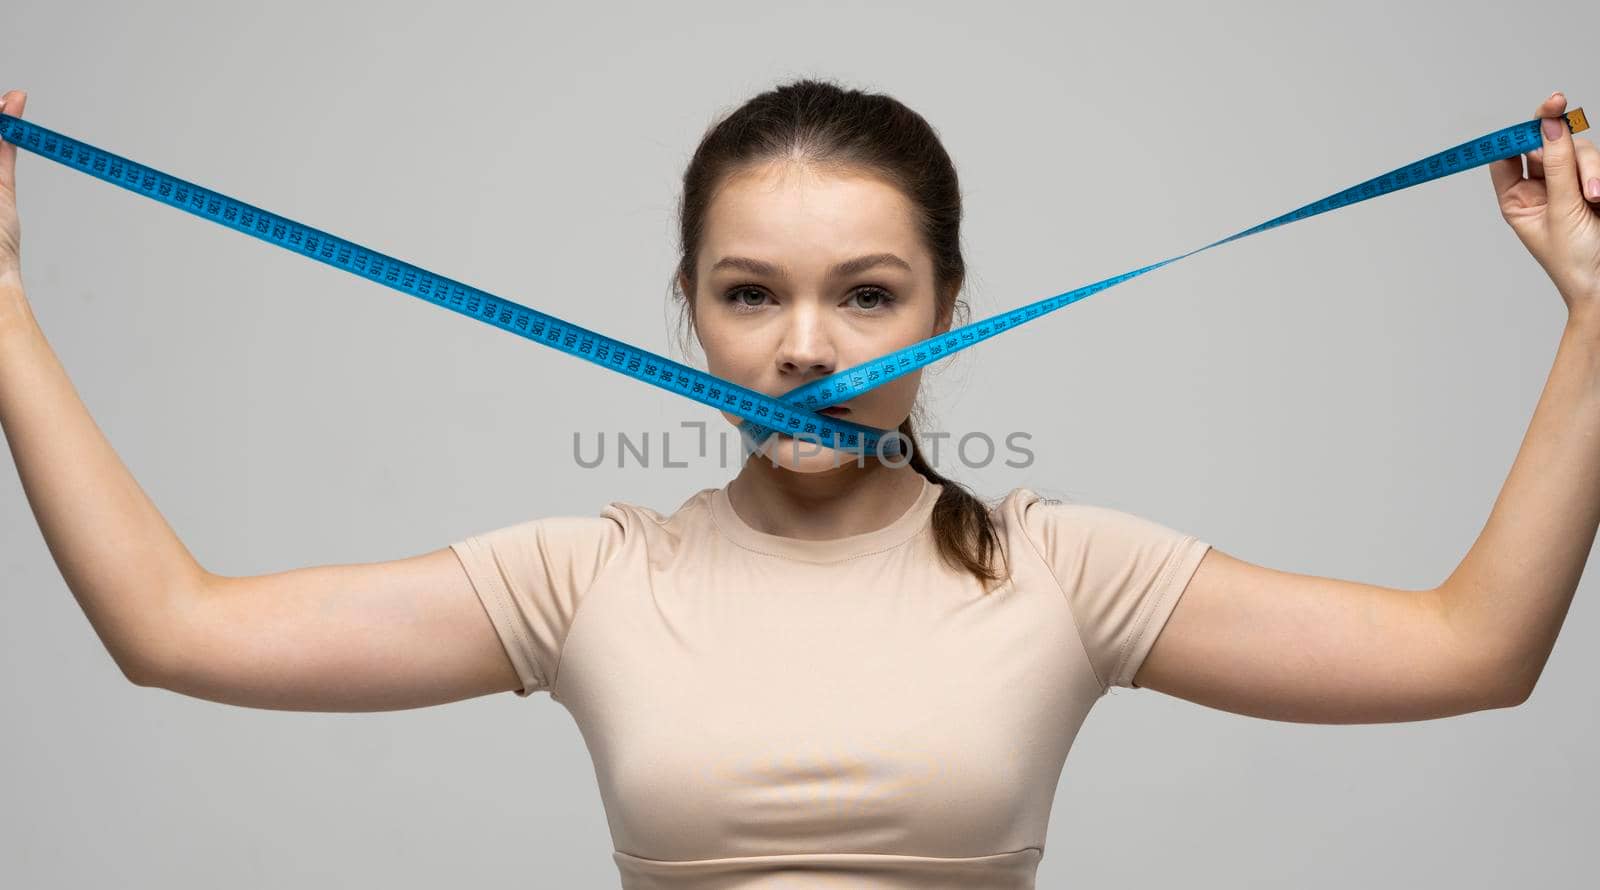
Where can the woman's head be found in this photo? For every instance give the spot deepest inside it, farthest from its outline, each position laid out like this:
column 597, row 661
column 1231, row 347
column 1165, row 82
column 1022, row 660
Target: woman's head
column 803, row 177
column 804, row 271
column 796, row 181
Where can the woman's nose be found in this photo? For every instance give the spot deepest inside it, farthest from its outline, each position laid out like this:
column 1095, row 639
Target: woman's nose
column 807, row 349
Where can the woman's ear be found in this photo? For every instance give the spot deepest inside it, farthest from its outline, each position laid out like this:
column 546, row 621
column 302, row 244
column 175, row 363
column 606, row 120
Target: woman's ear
column 942, row 323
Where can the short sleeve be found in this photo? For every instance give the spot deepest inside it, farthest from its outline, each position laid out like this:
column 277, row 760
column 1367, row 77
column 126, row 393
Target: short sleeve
column 531, row 578
column 1122, row 576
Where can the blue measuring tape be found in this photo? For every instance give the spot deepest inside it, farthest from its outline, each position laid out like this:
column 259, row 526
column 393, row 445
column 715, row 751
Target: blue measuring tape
column 792, row 413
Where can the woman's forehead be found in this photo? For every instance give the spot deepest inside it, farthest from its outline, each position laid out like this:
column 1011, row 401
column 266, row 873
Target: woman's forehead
column 787, row 213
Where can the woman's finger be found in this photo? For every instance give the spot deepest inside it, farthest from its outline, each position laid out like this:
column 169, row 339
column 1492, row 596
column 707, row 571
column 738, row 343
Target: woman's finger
column 11, row 103
column 1588, row 169
column 1550, row 107
column 1505, row 173
column 1536, row 164
column 1557, row 158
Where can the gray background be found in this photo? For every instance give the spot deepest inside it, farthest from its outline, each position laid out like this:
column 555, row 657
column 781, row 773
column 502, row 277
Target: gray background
column 1341, row 396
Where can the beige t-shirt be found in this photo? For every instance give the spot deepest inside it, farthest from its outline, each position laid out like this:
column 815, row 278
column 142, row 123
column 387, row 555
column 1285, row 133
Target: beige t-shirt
column 767, row 712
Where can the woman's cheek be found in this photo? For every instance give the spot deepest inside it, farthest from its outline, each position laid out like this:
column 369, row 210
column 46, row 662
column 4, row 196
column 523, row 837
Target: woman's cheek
column 890, row 403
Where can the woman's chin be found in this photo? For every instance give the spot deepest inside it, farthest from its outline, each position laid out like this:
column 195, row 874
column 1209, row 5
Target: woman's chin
column 807, row 456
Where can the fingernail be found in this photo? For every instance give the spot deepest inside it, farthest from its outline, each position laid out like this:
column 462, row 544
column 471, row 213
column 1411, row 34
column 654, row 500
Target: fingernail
column 1552, row 129
column 1594, row 189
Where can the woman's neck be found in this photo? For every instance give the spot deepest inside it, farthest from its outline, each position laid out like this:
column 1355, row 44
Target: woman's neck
column 835, row 503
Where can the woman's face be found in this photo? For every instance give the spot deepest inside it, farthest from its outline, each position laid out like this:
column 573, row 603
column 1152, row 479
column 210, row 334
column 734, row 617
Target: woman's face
column 772, row 312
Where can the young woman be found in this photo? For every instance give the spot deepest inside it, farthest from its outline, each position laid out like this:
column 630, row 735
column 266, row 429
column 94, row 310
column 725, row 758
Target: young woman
column 862, row 675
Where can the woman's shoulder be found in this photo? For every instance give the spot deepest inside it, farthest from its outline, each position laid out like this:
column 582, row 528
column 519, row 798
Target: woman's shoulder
column 1062, row 527
column 637, row 518
column 1020, row 500
column 1044, row 512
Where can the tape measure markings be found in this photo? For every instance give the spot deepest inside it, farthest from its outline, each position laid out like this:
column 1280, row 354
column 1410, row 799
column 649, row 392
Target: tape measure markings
column 791, row 413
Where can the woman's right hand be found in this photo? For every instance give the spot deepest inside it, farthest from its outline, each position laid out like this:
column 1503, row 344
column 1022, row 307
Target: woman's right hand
column 10, row 226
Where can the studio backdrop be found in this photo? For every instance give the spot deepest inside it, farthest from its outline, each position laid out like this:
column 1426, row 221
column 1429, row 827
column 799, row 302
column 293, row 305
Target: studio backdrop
column 1342, row 396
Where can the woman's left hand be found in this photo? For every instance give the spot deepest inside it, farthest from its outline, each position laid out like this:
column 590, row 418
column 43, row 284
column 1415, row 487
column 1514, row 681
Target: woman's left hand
column 1555, row 209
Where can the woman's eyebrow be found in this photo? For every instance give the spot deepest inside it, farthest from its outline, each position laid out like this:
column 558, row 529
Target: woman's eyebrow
column 848, row 267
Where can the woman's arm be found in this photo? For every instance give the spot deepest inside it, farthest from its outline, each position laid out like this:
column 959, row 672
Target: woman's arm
column 1517, row 581
column 115, row 551
column 1302, row 648
column 364, row 637
column 1287, row 646
column 1513, row 588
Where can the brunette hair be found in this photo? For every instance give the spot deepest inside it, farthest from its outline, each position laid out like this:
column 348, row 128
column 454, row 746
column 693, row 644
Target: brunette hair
column 822, row 124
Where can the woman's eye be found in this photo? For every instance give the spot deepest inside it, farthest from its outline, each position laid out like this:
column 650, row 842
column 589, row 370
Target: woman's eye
column 874, row 298
column 735, row 297
column 879, row 296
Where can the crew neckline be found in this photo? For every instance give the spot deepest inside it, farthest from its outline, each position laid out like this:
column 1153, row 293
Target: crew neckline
column 902, row 529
